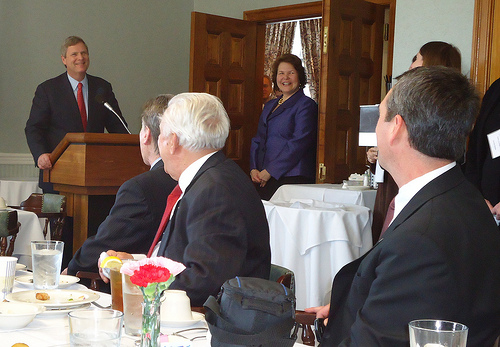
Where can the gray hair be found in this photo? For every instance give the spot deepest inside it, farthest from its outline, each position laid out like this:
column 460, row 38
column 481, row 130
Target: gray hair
column 71, row 41
column 198, row 119
column 439, row 106
column 153, row 109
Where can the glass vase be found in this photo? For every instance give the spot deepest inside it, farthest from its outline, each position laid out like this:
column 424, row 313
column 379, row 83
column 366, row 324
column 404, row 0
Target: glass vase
column 150, row 335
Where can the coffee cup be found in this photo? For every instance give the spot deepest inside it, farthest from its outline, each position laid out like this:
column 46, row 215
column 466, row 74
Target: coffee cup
column 176, row 306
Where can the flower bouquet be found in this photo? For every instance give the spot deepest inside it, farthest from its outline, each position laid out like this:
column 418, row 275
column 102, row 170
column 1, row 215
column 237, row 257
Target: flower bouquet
column 153, row 276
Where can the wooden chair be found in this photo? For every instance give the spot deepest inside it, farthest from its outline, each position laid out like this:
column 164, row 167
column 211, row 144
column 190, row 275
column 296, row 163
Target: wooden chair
column 9, row 226
column 49, row 206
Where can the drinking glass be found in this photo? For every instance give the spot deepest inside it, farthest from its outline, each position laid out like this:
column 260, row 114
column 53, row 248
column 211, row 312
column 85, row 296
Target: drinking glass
column 7, row 274
column 46, row 262
column 115, row 278
column 437, row 333
column 132, row 308
column 95, row 328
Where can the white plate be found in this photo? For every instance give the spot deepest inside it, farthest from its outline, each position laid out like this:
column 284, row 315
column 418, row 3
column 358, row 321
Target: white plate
column 358, row 187
column 186, row 323
column 64, row 280
column 59, row 298
column 20, row 266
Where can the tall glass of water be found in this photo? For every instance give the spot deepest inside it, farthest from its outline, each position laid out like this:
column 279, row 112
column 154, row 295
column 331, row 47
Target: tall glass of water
column 46, row 262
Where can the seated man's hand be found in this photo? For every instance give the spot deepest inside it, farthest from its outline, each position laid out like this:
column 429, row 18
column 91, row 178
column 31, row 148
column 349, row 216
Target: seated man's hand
column 321, row 312
column 372, row 155
column 111, row 253
column 64, row 272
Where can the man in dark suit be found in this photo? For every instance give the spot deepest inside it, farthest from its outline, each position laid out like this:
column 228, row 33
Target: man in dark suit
column 55, row 110
column 438, row 259
column 218, row 228
column 482, row 167
column 140, row 201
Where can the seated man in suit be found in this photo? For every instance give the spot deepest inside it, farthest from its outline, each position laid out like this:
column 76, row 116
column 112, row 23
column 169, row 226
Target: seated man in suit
column 438, row 259
column 218, row 228
column 136, row 214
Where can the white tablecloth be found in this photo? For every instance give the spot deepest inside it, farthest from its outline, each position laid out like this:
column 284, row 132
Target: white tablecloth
column 326, row 193
column 16, row 191
column 315, row 239
column 53, row 330
column 31, row 230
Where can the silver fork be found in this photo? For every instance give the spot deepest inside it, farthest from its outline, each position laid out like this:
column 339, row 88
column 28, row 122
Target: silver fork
column 101, row 306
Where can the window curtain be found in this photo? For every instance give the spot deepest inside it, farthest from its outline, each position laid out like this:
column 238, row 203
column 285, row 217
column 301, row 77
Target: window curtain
column 310, row 34
column 279, row 39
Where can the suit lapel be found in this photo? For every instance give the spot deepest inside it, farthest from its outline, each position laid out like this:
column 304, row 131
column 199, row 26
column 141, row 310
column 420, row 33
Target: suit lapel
column 214, row 160
column 436, row 187
column 287, row 104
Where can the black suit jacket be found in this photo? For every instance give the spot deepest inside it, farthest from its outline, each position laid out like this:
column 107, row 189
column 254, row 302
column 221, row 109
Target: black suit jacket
column 132, row 222
column 218, row 231
column 54, row 113
column 438, row 259
column 485, row 178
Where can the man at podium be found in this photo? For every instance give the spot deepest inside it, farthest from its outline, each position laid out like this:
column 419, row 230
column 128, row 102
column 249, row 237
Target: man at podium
column 71, row 102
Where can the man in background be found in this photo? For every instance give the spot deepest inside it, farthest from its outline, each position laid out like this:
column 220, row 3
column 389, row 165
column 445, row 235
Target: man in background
column 438, row 258
column 70, row 102
column 140, row 201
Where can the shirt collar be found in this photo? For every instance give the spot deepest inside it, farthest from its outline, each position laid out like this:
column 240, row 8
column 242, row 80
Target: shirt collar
column 188, row 174
column 74, row 83
column 410, row 189
column 154, row 163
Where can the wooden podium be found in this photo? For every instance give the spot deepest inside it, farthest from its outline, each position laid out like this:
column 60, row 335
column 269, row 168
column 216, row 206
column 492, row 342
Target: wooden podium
column 85, row 164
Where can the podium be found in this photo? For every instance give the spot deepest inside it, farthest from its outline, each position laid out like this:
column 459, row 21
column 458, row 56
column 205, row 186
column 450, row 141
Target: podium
column 88, row 164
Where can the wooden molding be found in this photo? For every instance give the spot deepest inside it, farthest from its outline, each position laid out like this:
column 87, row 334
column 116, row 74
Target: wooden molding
column 482, row 38
column 289, row 12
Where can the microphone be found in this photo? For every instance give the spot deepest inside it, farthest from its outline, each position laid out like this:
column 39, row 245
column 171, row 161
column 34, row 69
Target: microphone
column 100, row 99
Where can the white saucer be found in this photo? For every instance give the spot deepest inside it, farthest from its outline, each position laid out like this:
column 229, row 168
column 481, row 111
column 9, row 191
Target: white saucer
column 183, row 324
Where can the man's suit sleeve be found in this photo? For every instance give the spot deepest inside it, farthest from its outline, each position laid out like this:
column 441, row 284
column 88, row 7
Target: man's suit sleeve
column 216, row 242
column 412, row 279
column 38, row 123
column 123, row 229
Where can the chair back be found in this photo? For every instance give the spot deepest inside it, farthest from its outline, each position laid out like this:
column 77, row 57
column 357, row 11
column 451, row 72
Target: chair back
column 9, row 227
column 282, row 275
column 49, row 206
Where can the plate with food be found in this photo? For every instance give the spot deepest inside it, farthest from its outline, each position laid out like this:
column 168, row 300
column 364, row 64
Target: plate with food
column 55, row 298
column 64, row 280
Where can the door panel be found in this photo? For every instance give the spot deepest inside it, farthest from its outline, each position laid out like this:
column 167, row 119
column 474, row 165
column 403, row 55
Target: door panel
column 223, row 55
column 350, row 75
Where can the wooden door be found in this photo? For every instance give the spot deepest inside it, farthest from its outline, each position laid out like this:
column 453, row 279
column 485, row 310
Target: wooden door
column 223, row 63
column 350, row 75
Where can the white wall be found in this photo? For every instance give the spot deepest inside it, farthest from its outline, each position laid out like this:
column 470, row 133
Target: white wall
column 140, row 47
column 421, row 21
column 235, row 8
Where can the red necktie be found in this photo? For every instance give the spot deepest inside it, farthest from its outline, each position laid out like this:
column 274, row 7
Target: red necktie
column 171, row 200
column 388, row 217
column 81, row 106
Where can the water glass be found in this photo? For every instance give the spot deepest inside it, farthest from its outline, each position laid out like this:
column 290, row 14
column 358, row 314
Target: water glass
column 95, row 328
column 7, row 274
column 46, row 262
column 437, row 333
column 132, row 306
